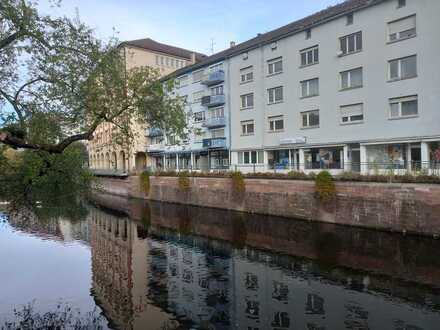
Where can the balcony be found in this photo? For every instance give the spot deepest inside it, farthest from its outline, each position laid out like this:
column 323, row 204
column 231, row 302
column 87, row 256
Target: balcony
column 214, row 143
column 153, row 131
column 155, row 148
column 215, row 122
column 214, row 78
column 213, row 100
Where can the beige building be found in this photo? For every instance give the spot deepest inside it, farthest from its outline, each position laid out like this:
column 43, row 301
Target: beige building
column 104, row 154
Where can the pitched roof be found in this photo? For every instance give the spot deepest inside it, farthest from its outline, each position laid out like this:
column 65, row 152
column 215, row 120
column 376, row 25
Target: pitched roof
column 155, row 46
column 303, row 24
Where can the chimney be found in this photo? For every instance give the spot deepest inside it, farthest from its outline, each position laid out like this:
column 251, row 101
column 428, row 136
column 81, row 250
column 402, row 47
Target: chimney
column 232, row 44
column 193, row 58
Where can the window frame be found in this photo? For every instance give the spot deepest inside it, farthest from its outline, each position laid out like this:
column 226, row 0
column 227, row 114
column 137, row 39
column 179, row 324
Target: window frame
column 274, row 90
column 400, row 101
column 399, row 68
column 194, row 100
column 202, row 119
column 259, row 157
column 246, row 107
column 391, row 41
column 273, row 63
column 346, row 37
column 308, row 112
column 201, row 76
column 306, row 51
column 350, row 121
column 308, row 88
column 349, row 79
column 246, row 123
column 272, row 120
column 244, row 72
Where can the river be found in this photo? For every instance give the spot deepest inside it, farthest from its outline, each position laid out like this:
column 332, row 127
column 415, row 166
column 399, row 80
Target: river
column 152, row 265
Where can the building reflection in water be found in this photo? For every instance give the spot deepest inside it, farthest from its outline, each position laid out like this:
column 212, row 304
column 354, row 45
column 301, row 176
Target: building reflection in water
column 164, row 266
column 226, row 284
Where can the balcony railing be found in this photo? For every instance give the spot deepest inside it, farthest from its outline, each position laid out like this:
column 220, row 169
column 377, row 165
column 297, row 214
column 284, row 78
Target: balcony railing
column 214, row 78
column 214, row 143
column 213, row 100
column 154, row 131
column 215, row 122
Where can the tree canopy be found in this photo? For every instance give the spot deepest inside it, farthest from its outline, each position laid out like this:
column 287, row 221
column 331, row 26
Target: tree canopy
column 58, row 83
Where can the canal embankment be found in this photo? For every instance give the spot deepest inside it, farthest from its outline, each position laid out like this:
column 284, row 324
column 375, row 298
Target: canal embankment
column 399, row 207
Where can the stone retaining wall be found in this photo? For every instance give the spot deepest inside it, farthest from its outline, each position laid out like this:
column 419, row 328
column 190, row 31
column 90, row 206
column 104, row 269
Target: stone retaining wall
column 412, row 208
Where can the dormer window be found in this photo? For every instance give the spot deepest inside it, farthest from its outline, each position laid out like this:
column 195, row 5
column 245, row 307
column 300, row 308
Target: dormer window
column 401, row 3
column 350, row 19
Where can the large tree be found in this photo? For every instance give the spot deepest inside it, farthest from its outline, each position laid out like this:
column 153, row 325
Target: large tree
column 58, row 83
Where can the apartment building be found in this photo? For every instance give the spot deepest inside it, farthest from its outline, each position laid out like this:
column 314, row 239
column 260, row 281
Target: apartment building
column 205, row 88
column 104, row 153
column 353, row 87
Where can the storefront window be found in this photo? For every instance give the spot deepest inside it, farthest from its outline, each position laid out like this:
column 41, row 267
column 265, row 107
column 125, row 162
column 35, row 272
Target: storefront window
column 435, row 152
column 382, row 157
column 323, row 158
column 278, row 159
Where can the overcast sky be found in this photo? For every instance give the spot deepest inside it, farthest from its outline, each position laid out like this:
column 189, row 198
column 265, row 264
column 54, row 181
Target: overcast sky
column 189, row 24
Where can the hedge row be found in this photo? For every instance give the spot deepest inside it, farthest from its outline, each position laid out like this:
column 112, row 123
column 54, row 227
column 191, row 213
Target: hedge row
column 294, row 175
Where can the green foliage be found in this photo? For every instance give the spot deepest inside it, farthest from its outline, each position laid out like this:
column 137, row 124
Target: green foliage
column 325, row 186
column 295, row 175
column 144, row 178
column 238, row 184
column 61, row 83
column 184, row 182
column 38, row 176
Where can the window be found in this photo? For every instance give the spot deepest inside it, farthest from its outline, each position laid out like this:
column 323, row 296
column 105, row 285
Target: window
column 310, row 119
column 216, row 67
column 247, row 127
column 216, row 113
column 350, row 19
column 308, row 33
column 276, row 123
column 162, row 60
column 309, row 56
column 402, row 29
column 247, row 75
column 197, row 96
column 401, row 3
column 217, row 90
column 199, row 116
column 218, row 133
column 172, row 62
column 404, row 107
column 247, row 101
column 275, row 66
column 353, row 113
column 250, row 157
column 275, row 94
column 183, row 81
column 274, row 45
column 197, row 76
column 351, row 78
column 310, row 87
column 157, row 59
column 351, row 43
column 168, row 61
column 403, row 68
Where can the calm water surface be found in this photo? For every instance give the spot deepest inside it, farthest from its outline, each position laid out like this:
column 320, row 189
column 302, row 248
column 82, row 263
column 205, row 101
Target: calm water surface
column 165, row 266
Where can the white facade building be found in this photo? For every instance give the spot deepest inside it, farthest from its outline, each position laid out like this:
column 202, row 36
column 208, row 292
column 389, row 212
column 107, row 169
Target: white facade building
column 354, row 87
